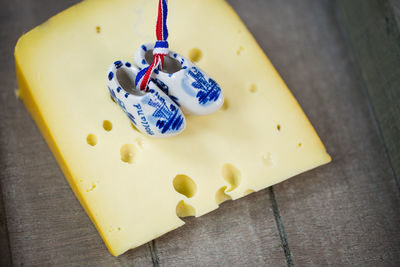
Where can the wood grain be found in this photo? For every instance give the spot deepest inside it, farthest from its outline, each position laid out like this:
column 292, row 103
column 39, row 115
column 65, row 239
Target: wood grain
column 5, row 253
column 345, row 213
column 374, row 34
column 239, row 233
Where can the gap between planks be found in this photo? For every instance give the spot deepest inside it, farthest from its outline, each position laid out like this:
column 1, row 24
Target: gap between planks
column 279, row 224
column 340, row 14
column 153, row 253
column 281, row 229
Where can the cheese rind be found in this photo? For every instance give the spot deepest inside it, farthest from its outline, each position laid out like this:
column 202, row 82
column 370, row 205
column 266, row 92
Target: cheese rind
column 61, row 67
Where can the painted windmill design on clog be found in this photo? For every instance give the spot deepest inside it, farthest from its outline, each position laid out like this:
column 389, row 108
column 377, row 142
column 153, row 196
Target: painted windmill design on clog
column 190, row 87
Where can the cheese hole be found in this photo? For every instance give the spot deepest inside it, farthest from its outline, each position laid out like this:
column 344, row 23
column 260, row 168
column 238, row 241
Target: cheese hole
column 107, row 125
column 98, row 29
column 278, row 127
column 225, row 106
column 239, row 51
column 195, row 55
column 253, row 88
column 91, row 139
column 128, row 153
column 184, row 185
column 300, row 144
column 184, row 210
column 248, row 192
column 119, row 228
column 267, row 159
column 221, row 196
column 232, row 175
column 93, row 187
column 139, row 143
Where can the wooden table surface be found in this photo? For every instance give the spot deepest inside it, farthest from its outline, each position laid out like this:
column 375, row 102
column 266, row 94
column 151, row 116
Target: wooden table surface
column 344, row 213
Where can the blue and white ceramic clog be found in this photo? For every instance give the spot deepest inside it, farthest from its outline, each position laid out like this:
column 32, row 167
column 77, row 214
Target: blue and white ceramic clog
column 190, row 87
column 152, row 112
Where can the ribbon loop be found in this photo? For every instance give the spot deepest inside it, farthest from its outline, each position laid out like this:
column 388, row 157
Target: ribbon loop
column 160, row 47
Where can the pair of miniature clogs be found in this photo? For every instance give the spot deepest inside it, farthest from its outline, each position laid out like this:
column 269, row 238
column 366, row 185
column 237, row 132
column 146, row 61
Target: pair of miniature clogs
column 179, row 87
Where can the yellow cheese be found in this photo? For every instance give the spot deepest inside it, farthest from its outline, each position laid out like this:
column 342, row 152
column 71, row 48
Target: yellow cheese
column 134, row 187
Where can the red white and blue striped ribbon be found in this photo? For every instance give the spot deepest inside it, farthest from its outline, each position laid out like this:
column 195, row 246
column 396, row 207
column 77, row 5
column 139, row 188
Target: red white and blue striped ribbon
column 160, row 47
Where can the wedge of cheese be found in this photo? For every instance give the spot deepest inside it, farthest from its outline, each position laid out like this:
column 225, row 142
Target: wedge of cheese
column 135, row 188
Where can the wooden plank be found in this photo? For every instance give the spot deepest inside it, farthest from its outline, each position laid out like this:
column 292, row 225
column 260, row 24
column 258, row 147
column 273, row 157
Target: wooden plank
column 5, row 253
column 394, row 6
column 374, row 34
column 239, row 233
column 344, row 213
column 347, row 212
column 47, row 226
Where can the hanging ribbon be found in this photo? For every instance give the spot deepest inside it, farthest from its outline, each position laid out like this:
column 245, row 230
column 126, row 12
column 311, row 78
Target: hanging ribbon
column 160, row 47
